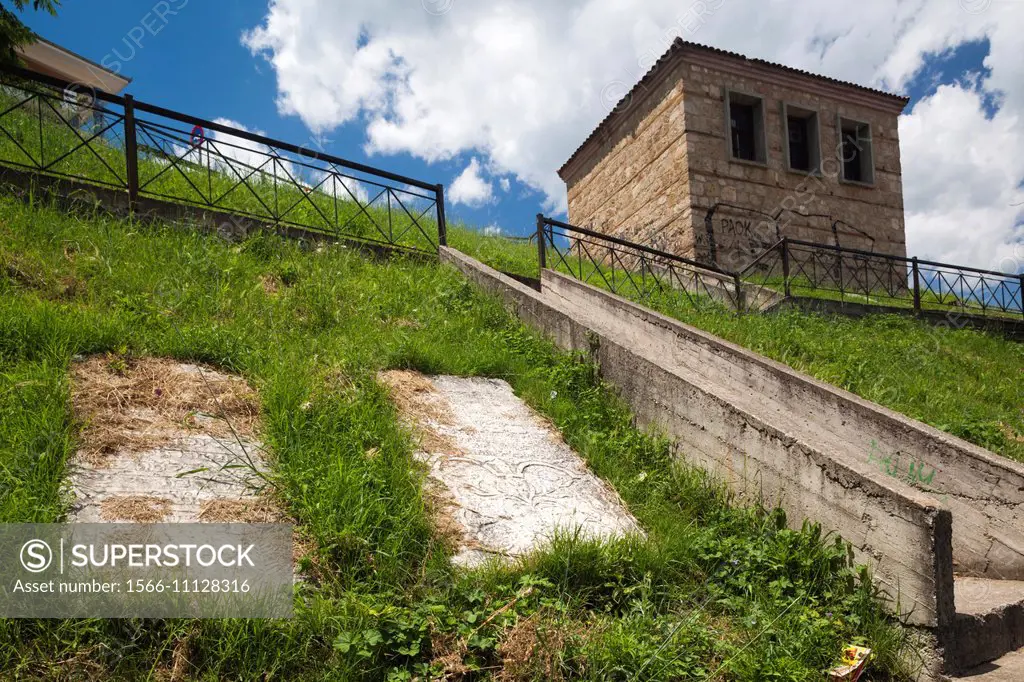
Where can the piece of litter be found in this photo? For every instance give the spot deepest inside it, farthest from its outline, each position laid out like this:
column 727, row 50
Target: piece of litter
column 854, row 663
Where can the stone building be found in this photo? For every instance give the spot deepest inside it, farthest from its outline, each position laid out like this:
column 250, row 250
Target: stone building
column 714, row 155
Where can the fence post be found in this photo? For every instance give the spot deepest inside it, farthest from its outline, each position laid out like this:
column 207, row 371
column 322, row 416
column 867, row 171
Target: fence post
column 442, row 224
column 917, row 284
column 542, row 254
column 785, row 265
column 1021, row 293
column 740, row 298
column 131, row 152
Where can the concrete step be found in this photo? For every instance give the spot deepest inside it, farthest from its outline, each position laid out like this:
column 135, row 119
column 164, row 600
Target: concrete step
column 989, row 622
column 1009, row 668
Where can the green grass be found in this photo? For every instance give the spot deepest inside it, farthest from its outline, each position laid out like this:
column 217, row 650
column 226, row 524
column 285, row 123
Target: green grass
column 715, row 591
column 515, row 256
column 948, row 302
column 963, row 381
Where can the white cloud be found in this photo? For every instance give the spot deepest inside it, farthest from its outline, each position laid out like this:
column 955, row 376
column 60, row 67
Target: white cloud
column 959, row 189
column 470, row 187
column 505, row 184
column 240, row 154
column 522, row 82
column 252, row 160
column 493, row 231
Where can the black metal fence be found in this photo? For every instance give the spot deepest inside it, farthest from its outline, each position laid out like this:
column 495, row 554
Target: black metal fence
column 56, row 128
column 629, row 269
column 789, row 268
column 804, row 269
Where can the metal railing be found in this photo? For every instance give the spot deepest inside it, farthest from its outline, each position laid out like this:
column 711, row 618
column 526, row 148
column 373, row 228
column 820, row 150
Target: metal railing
column 790, row 268
column 804, row 269
column 629, row 269
column 52, row 127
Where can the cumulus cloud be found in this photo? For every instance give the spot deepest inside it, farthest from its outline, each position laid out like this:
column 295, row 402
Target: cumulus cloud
column 493, row 231
column 470, row 187
column 242, row 158
column 243, row 155
column 522, row 82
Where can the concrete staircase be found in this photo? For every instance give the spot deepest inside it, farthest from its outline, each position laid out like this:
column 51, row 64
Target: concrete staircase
column 938, row 519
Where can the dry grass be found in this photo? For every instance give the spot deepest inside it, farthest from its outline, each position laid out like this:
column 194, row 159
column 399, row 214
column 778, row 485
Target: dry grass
column 449, row 652
column 421, row 406
column 270, row 284
column 138, row 404
column 416, row 397
column 180, row 659
column 254, row 510
column 135, row 509
column 405, row 323
column 440, row 508
column 531, row 649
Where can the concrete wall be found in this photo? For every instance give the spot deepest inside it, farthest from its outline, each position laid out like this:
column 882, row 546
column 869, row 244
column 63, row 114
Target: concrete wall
column 902, row 533
column 984, row 492
column 74, row 196
column 1010, row 328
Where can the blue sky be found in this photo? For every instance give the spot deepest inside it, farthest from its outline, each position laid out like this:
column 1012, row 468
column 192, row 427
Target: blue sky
column 196, row 63
column 515, row 86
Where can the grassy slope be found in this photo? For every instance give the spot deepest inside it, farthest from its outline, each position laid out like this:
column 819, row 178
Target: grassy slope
column 962, row 381
column 715, row 592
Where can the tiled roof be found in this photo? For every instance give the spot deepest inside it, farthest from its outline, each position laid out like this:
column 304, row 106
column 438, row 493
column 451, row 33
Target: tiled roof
column 678, row 44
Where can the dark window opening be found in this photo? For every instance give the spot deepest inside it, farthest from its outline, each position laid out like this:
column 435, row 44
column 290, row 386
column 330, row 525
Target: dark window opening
column 852, row 158
column 858, row 163
column 744, row 138
column 744, row 131
column 799, row 143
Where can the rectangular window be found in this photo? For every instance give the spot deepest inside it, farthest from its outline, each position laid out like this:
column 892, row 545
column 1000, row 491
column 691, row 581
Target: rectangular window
column 802, row 139
column 799, row 143
column 746, row 127
column 857, row 153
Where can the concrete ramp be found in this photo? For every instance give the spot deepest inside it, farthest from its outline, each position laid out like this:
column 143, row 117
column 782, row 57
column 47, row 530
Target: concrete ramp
column 937, row 519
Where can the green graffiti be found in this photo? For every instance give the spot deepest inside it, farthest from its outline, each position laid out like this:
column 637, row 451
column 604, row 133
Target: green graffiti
column 919, row 473
column 891, row 465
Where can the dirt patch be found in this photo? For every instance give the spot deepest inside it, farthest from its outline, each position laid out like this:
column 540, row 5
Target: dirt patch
column 31, row 275
column 1011, row 433
column 257, row 510
column 449, row 654
column 270, row 284
column 531, row 650
column 23, row 272
column 135, row 509
column 139, row 404
column 415, row 396
column 421, row 406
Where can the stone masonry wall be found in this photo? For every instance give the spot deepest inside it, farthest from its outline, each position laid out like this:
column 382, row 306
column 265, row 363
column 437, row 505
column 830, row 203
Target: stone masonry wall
column 772, row 188
column 633, row 183
column 663, row 161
